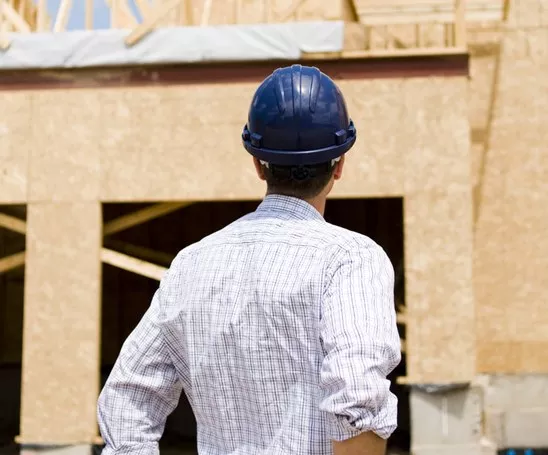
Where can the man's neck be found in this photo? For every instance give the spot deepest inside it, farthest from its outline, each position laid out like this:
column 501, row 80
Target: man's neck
column 318, row 202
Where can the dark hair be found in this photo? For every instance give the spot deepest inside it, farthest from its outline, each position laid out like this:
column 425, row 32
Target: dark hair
column 303, row 182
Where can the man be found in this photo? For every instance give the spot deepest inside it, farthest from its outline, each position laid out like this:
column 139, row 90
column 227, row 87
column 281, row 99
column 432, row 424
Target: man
column 280, row 328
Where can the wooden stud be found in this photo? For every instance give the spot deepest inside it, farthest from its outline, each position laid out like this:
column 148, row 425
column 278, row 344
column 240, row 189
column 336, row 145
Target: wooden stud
column 4, row 40
column 206, row 13
column 141, row 216
column 144, row 8
column 290, row 12
column 42, row 16
column 460, row 23
column 13, row 224
column 12, row 262
column 267, row 8
column 12, row 16
column 132, row 264
column 62, row 16
column 190, row 13
column 89, row 14
column 148, row 25
column 148, row 254
column 237, row 11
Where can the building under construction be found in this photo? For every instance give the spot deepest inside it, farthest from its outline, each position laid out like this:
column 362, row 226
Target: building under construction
column 119, row 147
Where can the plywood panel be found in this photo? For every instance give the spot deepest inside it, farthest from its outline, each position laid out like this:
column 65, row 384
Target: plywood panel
column 177, row 143
column 512, row 357
column 435, row 134
column 65, row 155
column 526, row 13
column 61, row 327
column 439, row 296
column 15, row 145
column 195, row 131
column 375, row 165
column 511, row 251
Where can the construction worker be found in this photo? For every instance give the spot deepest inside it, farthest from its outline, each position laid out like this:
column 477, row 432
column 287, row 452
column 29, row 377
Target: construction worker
column 279, row 328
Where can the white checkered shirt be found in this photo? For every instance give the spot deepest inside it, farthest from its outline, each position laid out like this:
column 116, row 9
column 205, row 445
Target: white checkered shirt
column 280, row 329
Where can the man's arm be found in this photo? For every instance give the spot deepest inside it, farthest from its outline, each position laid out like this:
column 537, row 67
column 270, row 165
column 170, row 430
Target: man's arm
column 361, row 346
column 141, row 391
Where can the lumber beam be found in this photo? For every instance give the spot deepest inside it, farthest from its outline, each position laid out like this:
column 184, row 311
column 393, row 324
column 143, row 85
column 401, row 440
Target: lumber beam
column 155, row 16
column 4, row 40
column 141, row 216
column 144, row 8
column 12, row 16
column 13, row 224
column 42, row 16
column 460, row 23
column 121, row 14
column 141, row 252
column 89, row 14
column 11, row 262
column 62, row 16
column 206, row 13
column 131, row 264
column 189, row 13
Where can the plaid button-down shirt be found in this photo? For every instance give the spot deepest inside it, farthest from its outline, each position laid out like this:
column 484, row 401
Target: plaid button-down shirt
column 280, row 329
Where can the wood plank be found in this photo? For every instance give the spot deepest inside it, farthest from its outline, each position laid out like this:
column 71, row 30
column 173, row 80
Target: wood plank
column 89, row 14
column 42, row 16
column 408, row 52
column 147, row 254
column 148, row 25
column 12, row 16
column 11, row 262
column 460, row 23
column 62, row 316
column 141, row 216
column 189, row 13
column 4, row 40
column 132, row 264
column 206, row 13
column 12, row 223
column 144, row 8
column 62, row 16
column 290, row 12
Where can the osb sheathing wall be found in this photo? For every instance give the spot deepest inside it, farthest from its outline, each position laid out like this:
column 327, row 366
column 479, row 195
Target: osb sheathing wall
column 509, row 116
column 66, row 151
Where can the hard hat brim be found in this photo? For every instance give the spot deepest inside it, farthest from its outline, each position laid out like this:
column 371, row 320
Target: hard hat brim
column 300, row 157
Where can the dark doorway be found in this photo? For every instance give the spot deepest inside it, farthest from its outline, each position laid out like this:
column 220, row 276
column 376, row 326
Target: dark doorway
column 11, row 332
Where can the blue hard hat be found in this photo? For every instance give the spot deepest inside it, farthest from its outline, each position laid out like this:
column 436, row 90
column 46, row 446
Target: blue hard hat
column 298, row 117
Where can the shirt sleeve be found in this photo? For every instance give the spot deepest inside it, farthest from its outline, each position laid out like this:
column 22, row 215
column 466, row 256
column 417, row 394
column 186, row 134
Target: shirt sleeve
column 141, row 391
column 361, row 345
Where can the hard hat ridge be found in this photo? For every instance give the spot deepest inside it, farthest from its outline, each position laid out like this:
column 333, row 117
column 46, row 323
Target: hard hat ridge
column 298, row 116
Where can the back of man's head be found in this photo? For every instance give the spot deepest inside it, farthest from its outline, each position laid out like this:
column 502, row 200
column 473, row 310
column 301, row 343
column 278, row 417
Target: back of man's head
column 298, row 129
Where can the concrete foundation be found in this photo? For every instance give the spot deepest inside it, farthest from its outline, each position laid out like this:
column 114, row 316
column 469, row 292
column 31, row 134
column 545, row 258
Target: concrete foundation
column 57, row 450
column 493, row 413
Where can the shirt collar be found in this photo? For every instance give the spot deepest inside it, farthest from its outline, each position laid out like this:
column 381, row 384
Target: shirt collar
column 291, row 207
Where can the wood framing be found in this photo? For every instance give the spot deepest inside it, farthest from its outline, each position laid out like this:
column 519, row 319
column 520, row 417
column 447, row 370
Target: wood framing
column 151, row 20
column 62, row 16
column 386, row 24
column 141, row 216
column 13, row 17
column 12, row 223
column 4, row 40
column 61, row 340
column 11, row 262
column 132, row 264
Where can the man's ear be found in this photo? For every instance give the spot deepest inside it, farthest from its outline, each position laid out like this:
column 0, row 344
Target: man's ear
column 259, row 168
column 337, row 173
